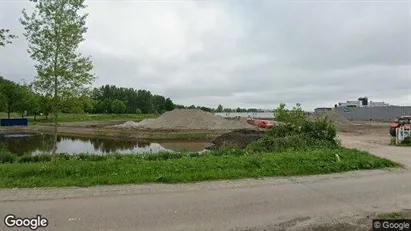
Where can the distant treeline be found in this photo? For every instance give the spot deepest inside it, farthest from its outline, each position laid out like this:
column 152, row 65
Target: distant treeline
column 21, row 98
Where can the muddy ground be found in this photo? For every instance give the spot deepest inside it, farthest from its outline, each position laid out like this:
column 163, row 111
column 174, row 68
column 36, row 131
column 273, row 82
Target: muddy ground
column 102, row 129
column 373, row 132
column 369, row 133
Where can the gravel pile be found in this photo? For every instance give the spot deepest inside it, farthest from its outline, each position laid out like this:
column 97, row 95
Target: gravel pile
column 338, row 120
column 187, row 119
column 132, row 124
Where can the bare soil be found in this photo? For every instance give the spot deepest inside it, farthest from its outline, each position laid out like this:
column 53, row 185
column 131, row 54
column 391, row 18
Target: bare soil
column 103, row 132
column 238, row 138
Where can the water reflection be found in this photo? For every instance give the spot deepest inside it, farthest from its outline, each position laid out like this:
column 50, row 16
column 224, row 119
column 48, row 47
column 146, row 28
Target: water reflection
column 43, row 143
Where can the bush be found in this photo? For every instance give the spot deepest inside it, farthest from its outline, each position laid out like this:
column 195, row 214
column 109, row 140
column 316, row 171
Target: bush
column 28, row 158
column 296, row 116
column 321, row 129
column 6, row 156
column 283, row 130
column 407, row 141
column 297, row 132
column 163, row 155
column 293, row 142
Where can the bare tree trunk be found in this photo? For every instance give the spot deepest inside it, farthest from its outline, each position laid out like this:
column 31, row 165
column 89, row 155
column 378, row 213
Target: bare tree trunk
column 35, row 114
column 55, row 111
column 55, row 132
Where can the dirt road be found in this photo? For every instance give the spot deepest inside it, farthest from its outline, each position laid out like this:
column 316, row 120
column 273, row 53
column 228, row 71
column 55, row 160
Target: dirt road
column 295, row 203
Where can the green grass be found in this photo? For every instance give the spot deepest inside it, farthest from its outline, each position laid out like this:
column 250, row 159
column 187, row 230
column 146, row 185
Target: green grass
column 167, row 167
column 82, row 117
column 406, row 214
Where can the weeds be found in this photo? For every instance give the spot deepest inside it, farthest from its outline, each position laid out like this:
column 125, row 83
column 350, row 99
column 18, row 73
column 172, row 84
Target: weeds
column 6, row 156
column 88, row 170
column 298, row 147
column 406, row 141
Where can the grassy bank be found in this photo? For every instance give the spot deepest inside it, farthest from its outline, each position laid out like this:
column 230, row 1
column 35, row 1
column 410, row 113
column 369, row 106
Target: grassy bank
column 300, row 146
column 82, row 117
column 405, row 214
column 152, row 135
column 166, row 167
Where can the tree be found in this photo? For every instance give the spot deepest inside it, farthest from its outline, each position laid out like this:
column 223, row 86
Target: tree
column 219, row 108
column 71, row 105
column 88, row 104
column 159, row 103
column 54, row 31
column 6, row 37
column 296, row 116
column 169, row 105
column 46, row 105
column 2, row 101
column 145, row 103
column 36, row 105
column 24, row 102
column 118, row 107
column 11, row 95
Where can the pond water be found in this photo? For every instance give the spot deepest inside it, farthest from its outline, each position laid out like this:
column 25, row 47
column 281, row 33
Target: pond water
column 43, row 143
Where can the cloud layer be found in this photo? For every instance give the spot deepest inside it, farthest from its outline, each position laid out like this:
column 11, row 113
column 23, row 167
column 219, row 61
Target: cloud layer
column 241, row 53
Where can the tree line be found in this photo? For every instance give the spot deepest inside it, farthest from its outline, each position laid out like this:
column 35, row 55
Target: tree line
column 54, row 29
column 23, row 99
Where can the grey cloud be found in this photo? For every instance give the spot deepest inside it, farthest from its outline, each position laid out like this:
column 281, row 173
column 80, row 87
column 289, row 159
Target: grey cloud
column 257, row 54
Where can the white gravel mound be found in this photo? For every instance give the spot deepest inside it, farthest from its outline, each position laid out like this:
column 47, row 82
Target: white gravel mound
column 187, row 119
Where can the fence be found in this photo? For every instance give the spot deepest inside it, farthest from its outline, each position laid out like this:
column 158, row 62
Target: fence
column 401, row 133
column 382, row 114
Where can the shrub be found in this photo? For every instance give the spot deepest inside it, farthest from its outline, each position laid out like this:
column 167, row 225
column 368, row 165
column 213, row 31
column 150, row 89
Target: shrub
column 321, row 129
column 6, row 156
column 296, row 116
column 163, row 155
column 293, row 142
column 296, row 132
column 283, row 130
column 28, row 158
column 407, row 141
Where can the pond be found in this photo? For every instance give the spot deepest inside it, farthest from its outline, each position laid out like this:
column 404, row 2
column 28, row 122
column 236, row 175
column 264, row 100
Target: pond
column 43, row 143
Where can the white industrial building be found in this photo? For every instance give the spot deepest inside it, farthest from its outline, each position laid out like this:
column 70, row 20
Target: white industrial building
column 362, row 102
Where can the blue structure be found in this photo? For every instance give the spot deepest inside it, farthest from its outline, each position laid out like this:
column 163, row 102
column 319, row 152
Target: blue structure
column 13, row 122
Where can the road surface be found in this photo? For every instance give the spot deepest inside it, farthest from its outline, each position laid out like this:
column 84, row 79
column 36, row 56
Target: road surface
column 295, row 203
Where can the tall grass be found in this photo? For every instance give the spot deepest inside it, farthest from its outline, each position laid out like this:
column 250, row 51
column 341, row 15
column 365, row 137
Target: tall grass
column 167, row 167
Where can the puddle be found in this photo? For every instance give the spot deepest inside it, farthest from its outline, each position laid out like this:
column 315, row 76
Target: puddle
column 42, row 143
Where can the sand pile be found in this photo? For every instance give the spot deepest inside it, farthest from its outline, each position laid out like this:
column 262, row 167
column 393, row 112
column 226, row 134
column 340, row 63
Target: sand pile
column 132, row 124
column 187, row 119
column 338, row 120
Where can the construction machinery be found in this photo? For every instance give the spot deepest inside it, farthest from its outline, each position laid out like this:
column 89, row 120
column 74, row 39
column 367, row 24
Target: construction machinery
column 402, row 121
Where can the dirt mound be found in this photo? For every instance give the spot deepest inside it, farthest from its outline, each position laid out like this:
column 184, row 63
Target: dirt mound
column 239, row 138
column 187, row 119
column 132, row 125
column 338, row 120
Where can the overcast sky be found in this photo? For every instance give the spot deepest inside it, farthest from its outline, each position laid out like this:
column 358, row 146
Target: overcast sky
column 241, row 53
